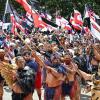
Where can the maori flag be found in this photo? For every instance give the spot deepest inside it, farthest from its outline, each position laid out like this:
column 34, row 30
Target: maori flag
column 39, row 22
column 75, row 26
column 63, row 23
column 95, row 28
column 18, row 21
column 14, row 18
column 78, row 17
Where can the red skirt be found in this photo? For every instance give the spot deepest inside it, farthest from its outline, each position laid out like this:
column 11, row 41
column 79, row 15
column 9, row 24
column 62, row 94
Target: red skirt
column 38, row 80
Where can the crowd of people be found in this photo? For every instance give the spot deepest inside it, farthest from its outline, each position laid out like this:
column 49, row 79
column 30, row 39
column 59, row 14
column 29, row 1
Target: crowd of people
column 68, row 61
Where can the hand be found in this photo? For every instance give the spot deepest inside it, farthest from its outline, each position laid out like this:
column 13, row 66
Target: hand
column 16, row 88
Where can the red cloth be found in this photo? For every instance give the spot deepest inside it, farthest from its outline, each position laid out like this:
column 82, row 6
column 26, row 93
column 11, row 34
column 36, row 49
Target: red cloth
column 74, row 89
column 38, row 80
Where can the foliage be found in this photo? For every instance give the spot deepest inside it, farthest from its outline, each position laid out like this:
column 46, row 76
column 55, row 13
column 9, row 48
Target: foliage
column 54, row 7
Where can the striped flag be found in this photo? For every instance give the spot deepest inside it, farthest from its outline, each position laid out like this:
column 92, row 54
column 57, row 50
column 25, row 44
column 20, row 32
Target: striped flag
column 39, row 21
column 36, row 17
column 95, row 33
column 75, row 26
column 78, row 17
column 63, row 23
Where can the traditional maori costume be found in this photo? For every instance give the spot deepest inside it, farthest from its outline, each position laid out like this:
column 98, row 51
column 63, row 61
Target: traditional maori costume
column 2, row 54
column 96, row 86
column 55, row 76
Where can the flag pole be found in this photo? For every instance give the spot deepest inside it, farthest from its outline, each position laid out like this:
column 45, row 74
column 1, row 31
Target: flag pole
column 5, row 13
column 41, row 63
column 93, row 22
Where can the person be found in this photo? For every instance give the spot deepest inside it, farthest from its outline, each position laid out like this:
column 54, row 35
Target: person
column 70, row 86
column 34, row 65
column 24, row 78
column 55, row 74
column 2, row 60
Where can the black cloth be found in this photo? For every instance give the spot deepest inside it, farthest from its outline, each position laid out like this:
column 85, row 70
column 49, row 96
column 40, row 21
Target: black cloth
column 26, row 80
column 1, row 78
column 15, row 52
column 18, row 96
column 81, row 62
column 66, row 88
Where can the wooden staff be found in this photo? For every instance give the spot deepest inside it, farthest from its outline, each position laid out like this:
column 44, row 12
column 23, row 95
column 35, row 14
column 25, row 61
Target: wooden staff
column 41, row 63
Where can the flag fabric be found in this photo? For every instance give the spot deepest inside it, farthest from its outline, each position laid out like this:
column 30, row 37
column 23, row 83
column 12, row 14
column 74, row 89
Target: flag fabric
column 95, row 33
column 40, row 20
column 89, row 13
column 24, row 23
column 58, row 20
column 13, row 23
column 75, row 26
column 63, row 23
column 78, row 17
column 95, row 28
column 36, row 17
column 15, row 19
column 86, row 29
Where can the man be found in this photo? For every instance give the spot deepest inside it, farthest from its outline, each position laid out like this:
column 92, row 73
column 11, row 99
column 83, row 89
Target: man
column 2, row 60
column 71, row 85
column 24, row 81
column 33, row 64
column 55, row 74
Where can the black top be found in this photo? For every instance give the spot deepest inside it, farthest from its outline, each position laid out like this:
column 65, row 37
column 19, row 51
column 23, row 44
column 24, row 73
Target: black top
column 26, row 79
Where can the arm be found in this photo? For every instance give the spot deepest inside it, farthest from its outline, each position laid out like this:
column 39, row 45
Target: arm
column 73, row 70
column 53, row 71
column 84, row 75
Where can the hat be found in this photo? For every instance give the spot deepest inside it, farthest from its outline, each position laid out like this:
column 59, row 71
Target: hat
column 40, row 44
column 12, row 44
column 2, row 51
column 27, row 41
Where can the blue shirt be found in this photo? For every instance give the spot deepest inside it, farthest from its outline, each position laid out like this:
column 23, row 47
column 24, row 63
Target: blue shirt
column 32, row 64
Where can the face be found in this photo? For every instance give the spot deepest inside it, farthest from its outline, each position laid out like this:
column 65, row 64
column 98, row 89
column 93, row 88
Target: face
column 20, row 62
column 53, row 44
column 87, row 50
column 56, row 61
column 67, row 59
column 27, row 57
column 41, row 47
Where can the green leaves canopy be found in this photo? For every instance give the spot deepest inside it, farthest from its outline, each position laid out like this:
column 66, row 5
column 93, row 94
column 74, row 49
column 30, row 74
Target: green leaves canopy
column 63, row 7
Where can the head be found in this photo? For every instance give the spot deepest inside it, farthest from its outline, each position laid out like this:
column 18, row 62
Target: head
column 67, row 59
column 20, row 62
column 55, row 59
column 40, row 46
column 27, row 55
column 77, row 52
column 12, row 46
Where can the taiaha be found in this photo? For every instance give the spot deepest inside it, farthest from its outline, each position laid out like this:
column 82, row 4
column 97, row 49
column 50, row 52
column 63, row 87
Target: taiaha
column 41, row 63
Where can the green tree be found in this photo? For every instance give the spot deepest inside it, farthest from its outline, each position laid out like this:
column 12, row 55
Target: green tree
column 62, row 7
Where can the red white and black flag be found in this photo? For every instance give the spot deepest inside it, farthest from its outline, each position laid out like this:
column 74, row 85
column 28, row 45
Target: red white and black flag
column 19, row 22
column 95, row 28
column 63, row 23
column 74, row 24
column 78, row 17
column 39, row 22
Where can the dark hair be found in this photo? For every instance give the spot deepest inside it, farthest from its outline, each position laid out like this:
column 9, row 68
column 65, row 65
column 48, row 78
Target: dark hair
column 17, row 58
column 26, row 52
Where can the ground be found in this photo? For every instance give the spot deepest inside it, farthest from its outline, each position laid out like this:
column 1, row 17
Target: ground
column 7, row 95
